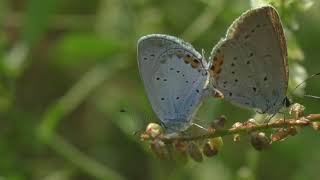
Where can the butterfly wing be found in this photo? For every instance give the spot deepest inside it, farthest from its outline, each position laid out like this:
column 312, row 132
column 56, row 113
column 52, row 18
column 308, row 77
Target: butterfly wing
column 250, row 66
column 174, row 77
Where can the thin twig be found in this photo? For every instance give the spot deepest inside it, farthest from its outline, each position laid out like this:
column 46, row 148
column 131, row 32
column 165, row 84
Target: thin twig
column 250, row 127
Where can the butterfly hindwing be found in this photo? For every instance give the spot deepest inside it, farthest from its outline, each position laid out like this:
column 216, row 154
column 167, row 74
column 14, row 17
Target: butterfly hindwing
column 250, row 66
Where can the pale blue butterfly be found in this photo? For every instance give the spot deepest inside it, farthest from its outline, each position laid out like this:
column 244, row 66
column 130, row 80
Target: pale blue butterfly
column 175, row 78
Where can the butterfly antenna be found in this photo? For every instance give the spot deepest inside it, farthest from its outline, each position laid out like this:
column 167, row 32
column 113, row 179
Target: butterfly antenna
column 203, row 52
column 311, row 96
column 304, row 81
column 199, row 120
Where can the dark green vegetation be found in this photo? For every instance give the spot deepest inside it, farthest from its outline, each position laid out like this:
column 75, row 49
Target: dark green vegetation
column 71, row 97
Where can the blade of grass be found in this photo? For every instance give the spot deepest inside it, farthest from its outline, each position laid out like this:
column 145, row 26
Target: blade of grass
column 66, row 104
column 77, row 94
column 85, row 163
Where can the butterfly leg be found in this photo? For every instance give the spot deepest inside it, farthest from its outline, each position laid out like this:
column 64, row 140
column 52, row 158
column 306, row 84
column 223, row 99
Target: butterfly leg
column 284, row 115
column 200, row 127
column 268, row 118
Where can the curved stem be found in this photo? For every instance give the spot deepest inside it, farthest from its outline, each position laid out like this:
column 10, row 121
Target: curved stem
column 250, row 127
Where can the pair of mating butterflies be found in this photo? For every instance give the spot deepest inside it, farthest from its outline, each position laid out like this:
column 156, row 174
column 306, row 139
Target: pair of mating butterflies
column 249, row 67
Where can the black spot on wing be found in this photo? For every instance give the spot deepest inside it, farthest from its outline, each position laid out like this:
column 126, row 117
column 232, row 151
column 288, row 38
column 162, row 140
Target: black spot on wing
column 265, row 78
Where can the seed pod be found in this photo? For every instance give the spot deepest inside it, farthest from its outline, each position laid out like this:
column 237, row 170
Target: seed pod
column 259, row 140
column 194, row 152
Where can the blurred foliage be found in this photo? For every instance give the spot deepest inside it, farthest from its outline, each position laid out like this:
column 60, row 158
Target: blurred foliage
column 71, row 97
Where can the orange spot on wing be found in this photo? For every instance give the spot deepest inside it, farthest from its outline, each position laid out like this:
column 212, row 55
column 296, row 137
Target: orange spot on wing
column 187, row 59
column 195, row 63
column 217, row 61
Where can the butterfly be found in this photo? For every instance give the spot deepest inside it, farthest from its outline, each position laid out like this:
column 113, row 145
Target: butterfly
column 249, row 67
column 175, row 77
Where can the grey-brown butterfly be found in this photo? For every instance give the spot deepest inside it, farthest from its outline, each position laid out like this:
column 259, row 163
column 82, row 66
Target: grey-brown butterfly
column 249, row 66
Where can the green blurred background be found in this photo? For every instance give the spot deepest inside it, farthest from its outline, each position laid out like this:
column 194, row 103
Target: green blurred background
column 68, row 68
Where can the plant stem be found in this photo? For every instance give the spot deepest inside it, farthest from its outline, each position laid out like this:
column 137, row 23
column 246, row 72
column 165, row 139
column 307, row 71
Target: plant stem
column 82, row 161
column 250, row 127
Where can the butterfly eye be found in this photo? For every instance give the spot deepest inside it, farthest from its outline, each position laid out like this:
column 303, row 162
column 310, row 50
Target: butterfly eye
column 287, row 102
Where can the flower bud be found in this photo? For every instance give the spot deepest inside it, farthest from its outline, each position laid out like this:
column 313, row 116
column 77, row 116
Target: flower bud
column 194, row 152
column 297, row 110
column 160, row 149
column 252, row 121
column 236, row 137
column 259, row 140
column 154, row 130
column 208, row 150
column 283, row 133
column 212, row 147
column 237, row 125
column 220, row 122
column 217, row 124
column 316, row 126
